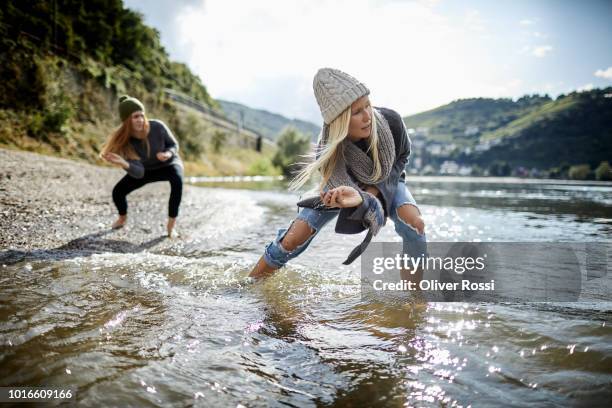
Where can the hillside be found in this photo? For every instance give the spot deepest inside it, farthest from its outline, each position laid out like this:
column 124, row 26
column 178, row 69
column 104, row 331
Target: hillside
column 463, row 121
column 64, row 67
column 267, row 123
column 533, row 131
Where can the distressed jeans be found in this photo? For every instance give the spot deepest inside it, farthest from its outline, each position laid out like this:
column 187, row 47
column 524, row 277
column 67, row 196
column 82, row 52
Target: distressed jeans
column 414, row 244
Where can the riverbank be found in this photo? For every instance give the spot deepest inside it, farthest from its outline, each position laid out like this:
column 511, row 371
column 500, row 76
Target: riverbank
column 54, row 204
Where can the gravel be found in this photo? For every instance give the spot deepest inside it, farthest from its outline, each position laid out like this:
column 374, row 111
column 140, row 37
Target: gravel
column 59, row 206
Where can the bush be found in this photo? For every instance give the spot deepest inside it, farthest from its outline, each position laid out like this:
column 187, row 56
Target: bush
column 60, row 111
column 218, row 139
column 477, row 170
column 191, row 134
column 499, row 168
column 579, row 172
column 262, row 167
column 291, row 145
column 603, row 171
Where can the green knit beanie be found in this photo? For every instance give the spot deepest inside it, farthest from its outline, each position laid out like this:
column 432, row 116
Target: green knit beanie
column 129, row 105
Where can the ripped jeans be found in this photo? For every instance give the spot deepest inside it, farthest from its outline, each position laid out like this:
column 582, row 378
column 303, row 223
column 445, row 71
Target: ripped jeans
column 414, row 244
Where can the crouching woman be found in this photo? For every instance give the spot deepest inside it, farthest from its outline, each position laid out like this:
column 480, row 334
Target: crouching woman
column 361, row 157
column 148, row 152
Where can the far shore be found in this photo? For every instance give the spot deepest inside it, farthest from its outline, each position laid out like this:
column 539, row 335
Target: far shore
column 505, row 180
column 417, row 178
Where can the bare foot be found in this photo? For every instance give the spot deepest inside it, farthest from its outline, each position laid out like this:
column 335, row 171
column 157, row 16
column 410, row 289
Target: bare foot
column 170, row 226
column 262, row 270
column 120, row 222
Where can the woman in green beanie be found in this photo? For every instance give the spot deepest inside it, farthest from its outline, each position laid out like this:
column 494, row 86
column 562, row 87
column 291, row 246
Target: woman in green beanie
column 148, row 152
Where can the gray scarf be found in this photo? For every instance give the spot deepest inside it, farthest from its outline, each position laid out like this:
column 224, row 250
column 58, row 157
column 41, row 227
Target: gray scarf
column 361, row 166
column 359, row 163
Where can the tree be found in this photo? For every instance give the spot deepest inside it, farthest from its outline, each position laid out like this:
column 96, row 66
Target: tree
column 218, row 139
column 192, row 134
column 603, row 171
column 579, row 172
column 499, row 168
column 291, row 145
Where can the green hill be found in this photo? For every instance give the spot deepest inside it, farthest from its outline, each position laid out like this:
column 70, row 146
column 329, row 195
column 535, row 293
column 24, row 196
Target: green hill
column 269, row 124
column 99, row 35
column 63, row 65
column 533, row 131
column 464, row 120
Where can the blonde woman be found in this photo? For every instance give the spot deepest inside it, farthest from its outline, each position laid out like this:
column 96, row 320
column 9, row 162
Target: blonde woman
column 148, row 152
column 361, row 158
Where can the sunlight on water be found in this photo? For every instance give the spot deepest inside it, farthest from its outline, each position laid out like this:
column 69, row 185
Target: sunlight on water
column 184, row 326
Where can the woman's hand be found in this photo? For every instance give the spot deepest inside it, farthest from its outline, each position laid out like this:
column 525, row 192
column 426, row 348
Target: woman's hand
column 163, row 156
column 370, row 189
column 115, row 159
column 341, row 197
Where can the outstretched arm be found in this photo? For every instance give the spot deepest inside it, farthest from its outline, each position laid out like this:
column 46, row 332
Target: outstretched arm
column 133, row 167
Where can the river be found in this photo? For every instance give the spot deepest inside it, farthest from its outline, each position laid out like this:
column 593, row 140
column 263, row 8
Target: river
column 182, row 326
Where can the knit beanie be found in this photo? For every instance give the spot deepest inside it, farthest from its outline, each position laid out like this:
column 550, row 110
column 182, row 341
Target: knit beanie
column 335, row 91
column 129, row 105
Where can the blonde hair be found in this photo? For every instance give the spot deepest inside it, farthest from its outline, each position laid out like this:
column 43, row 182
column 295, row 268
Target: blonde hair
column 331, row 149
column 118, row 142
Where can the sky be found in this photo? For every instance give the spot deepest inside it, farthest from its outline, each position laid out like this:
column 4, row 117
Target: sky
column 413, row 55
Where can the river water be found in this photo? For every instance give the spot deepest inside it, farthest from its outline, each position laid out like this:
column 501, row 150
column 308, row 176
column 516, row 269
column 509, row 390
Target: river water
column 180, row 326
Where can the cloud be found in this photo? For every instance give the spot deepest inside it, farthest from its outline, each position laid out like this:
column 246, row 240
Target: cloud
column 526, row 22
column 504, row 88
column 162, row 15
column 541, row 51
column 265, row 53
column 413, row 55
column 606, row 74
column 584, row 88
column 515, row 83
column 474, row 21
column 429, row 3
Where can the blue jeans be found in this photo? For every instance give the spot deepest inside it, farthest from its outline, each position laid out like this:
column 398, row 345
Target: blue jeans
column 414, row 244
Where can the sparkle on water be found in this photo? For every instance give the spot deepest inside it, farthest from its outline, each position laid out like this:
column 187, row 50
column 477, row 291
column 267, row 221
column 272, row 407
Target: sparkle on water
column 182, row 325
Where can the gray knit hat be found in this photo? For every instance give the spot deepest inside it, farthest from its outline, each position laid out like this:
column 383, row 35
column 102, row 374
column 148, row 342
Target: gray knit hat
column 335, row 91
column 129, row 105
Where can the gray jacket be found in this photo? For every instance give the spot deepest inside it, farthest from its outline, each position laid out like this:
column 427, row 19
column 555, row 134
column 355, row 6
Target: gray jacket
column 161, row 139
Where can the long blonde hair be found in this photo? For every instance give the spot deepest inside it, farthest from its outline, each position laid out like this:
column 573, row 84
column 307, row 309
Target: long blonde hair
column 331, row 150
column 118, row 142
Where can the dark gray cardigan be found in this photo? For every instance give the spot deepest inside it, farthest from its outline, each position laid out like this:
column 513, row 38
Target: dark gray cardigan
column 161, row 139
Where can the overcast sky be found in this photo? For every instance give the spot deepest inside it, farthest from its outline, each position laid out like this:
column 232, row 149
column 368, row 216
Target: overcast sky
column 413, row 55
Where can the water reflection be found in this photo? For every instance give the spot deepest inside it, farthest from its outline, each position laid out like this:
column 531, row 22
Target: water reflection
column 539, row 198
column 180, row 326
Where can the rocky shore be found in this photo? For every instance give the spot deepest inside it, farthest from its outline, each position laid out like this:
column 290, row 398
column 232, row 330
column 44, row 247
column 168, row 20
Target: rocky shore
column 53, row 204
